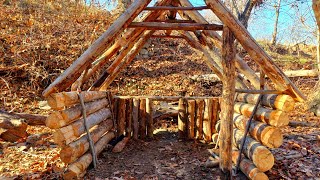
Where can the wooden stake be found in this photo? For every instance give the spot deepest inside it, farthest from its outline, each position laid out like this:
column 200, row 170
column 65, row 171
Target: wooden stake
column 207, row 120
column 228, row 64
column 149, row 115
column 191, row 118
column 215, row 114
column 182, row 118
column 135, row 117
column 199, row 119
column 129, row 117
column 142, row 118
column 121, row 118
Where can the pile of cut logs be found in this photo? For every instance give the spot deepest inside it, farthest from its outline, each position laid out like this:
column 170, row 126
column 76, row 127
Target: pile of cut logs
column 70, row 132
column 263, row 132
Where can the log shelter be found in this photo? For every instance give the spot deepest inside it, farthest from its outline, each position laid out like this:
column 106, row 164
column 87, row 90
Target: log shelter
column 198, row 117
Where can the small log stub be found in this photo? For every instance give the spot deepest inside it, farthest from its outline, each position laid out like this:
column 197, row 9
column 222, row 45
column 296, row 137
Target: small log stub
column 282, row 82
column 229, row 69
column 280, row 102
column 67, row 134
column 207, row 120
column 58, row 101
column 191, row 118
column 77, row 148
column 259, row 154
column 135, row 118
column 272, row 117
column 199, row 118
column 75, row 70
column 129, row 117
column 182, row 118
column 77, row 169
column 149, row 115
column 215, row 114
column 142, row 119
column 121, row 117
column 267, row 135
column 58, row 119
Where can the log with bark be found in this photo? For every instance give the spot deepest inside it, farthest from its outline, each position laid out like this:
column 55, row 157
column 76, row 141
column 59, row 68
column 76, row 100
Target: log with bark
column 135, row 118
column 58, row 119
column 256, row 152
column 129, row 124
column 272, row 117
column 120, row 145
column 175, row 26
column 275, row 101
column 199, row 119
column 207, row 120
column 142, row 119
column 12, row 128
column 77, row 169
column 58, row 101
column 121, row 117
column 30, row 119
column 149, row 117
column 76, row 149
column 67, row 134
column 191, row 118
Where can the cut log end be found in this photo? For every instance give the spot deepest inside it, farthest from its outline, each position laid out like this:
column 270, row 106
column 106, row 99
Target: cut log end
column 278, row 118
column 273, row 138
column 255, row 174
column 263, row 158
column 284, row 102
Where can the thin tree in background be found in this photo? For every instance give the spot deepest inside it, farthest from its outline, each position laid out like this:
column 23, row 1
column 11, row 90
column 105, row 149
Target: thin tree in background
column 316, row 10
column 275, row 30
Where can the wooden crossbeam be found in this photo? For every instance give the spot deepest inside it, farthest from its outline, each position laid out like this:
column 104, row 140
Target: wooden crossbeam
column 176, row 26
column 171, row 8
column 173, row 21
column 166, row 36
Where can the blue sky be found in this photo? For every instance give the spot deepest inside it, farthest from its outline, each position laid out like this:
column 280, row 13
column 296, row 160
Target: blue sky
column 291, row 30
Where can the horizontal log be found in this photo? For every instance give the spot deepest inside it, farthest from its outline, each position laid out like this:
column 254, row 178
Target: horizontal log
column 12, row 128
column 30, row 119
column 171, row 8
column 176, row 26
column 58, row 119
column 261, row 157
column 253, row 91
column 167, row 98
column 77, row 148
column 281, row 102
column 58, row 101
column 120, row 145
column 166, row 36
column 67, row 134
column 272, row 117
column 77, row 169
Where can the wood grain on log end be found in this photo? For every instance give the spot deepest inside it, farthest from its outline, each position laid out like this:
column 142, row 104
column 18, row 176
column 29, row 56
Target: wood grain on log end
column 261, row 157
column 278, row 118
column 272, row 137
column 284, row 102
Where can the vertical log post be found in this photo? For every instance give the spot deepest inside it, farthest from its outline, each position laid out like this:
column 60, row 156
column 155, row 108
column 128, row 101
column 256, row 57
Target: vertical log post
column 191, row 118
column 149, row 112
column 129, row 117
column 121, row 117
column 115, row 106
column 142, row 118
column 228, row 63
column 182, row 118
column 207, row 119
column 135, row 118
column 215, row 115
column 199, row 118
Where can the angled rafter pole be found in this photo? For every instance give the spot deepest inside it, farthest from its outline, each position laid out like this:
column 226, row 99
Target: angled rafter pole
column 75, row 70
column 128, row 59
column 241, row 65
column 280, row 80
column 128, row 37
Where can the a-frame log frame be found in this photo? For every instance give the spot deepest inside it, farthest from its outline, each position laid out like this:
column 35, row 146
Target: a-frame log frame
column 281, row 81
column 75, row 70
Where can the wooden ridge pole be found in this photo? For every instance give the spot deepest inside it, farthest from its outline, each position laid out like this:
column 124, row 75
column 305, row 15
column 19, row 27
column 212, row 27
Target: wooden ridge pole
column 75, row 70
column 281, row 81
column 226, row 133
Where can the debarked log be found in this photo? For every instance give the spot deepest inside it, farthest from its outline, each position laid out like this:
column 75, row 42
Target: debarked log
column 259, row 154
column 58, row 119
column 77, row 169
column 77, row 148
column 275, row 101
column 67, row 134
column 272, row 117
column 60, row 100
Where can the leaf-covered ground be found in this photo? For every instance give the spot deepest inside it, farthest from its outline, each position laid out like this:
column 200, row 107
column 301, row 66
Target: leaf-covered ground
column 39, row 41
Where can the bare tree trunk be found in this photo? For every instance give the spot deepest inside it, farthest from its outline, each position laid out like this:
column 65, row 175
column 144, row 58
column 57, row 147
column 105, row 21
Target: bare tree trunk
column 275, row 31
